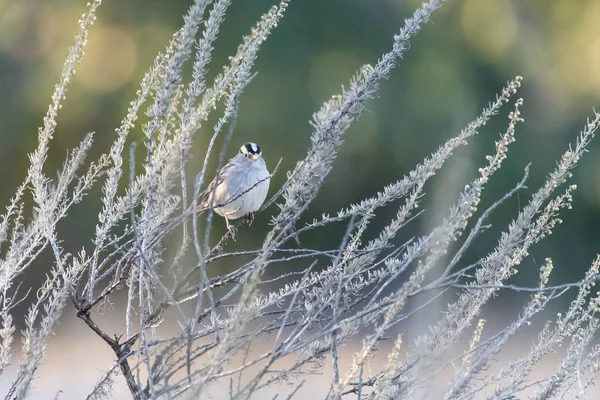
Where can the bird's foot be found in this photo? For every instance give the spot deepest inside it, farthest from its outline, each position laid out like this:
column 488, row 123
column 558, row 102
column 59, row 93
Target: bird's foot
column 230, row 228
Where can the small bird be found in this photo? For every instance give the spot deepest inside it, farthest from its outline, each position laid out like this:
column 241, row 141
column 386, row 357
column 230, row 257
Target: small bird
column 241, row 187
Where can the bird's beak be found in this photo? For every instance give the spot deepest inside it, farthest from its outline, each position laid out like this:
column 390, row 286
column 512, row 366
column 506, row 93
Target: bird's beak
column 254, row 157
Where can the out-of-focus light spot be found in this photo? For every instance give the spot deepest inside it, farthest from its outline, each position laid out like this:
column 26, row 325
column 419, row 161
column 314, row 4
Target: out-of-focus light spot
column 56, row 28
column 110, row 60
column 329, row 72
column 110, row 54
column 563, row 12
column 577, row 51
column 589, row 33
column 490, row 26
column 594, row 63
column 14, row 21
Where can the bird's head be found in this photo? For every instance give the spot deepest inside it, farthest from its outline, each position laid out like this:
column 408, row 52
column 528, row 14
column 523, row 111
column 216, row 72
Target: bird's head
column 251, row 150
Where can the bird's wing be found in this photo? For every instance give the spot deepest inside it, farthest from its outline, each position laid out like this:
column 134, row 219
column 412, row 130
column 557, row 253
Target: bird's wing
column 205, row 195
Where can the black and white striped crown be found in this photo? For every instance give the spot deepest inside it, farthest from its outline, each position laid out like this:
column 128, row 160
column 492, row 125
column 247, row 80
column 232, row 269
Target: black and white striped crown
column 250, row 149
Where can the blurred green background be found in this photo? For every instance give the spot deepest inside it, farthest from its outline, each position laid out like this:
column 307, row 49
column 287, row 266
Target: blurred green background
column 453, row 69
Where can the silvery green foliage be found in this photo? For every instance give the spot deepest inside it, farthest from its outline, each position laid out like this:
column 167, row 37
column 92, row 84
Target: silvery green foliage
column 357, row 292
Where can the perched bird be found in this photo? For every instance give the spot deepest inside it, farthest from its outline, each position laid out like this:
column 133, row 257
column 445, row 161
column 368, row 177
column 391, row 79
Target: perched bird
column 241, row 187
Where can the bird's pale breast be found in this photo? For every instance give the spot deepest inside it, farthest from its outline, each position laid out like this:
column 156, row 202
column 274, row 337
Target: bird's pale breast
column 245, row 189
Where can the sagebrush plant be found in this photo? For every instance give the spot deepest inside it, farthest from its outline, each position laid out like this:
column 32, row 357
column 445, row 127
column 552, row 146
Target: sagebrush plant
column 357, row 292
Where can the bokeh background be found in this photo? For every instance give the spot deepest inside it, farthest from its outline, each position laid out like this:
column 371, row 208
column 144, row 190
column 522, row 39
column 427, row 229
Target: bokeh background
column 453, row 69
